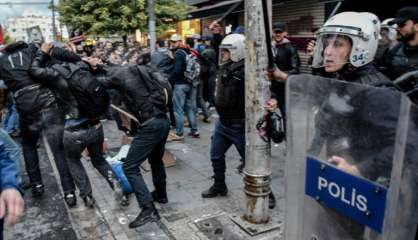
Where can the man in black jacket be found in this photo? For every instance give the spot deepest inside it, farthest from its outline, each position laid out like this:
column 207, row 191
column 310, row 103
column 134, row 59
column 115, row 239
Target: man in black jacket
column 149, row 141
column 286, row 59
column 38, row 111
column 403, row 57
column 81, row 131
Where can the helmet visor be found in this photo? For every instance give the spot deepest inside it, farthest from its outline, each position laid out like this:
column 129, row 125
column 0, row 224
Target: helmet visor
column 332, row 51
column 224, row 56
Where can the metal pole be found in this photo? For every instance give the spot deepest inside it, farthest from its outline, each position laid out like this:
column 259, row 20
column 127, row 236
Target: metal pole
column 334, row 11
column 54, row 28
column 258, row 164
column 151, row 25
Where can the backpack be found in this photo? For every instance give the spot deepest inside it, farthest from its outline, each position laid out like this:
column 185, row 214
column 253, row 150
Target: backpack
column 192, row 72
column 92, row 98
column 158, row 87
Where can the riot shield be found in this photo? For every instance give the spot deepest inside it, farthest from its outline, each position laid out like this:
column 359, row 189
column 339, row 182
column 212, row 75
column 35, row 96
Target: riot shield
column 351, row 161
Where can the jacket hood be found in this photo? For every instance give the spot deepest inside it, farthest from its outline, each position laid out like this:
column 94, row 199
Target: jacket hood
column 15, row 46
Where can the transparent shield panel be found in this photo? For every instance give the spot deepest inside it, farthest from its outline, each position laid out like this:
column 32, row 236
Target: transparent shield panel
column 346, row 177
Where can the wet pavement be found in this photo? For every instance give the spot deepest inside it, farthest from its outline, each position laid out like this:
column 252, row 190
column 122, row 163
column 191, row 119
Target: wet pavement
column 187, row 216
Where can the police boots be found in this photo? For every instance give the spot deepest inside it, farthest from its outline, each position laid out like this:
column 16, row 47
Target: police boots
column 217, row 189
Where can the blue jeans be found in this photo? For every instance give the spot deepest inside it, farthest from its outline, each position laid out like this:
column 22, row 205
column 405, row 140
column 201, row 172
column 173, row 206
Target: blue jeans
column 184, row 97
column 223, row 137
column 149, row 142
column 11, row 121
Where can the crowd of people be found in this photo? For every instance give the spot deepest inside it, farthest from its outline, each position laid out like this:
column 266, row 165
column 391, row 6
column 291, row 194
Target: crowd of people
column 64, row 92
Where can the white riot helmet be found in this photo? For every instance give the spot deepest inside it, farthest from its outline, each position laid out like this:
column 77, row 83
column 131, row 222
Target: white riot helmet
column 362, row 29
column 235, row 43
column 391, row 28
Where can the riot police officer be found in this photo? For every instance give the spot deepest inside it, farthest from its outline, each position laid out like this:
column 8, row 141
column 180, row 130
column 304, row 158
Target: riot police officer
column 230, row 105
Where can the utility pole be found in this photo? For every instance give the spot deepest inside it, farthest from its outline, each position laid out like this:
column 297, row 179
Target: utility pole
column 257, row 92
column 151, row 25
column 54, row 27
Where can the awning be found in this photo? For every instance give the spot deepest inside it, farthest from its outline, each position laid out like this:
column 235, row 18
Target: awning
column 215, row 9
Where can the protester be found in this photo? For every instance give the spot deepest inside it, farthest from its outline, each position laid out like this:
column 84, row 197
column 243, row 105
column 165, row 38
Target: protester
column 82, row 126
column 184, row 98
column 134, row 82
column 38, row 111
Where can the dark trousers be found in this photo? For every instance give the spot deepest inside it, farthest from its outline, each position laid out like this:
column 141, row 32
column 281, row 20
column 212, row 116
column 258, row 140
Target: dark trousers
column 51, row 123
column 223, row 137
column 75, row 142
column 201, row 101
column 149, row 142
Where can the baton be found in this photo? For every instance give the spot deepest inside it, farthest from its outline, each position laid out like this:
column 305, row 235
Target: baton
column 267, row 28
column 128, row 115
column 229, row 11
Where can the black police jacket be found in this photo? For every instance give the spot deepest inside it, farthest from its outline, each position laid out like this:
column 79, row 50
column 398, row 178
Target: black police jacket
column 230, row 91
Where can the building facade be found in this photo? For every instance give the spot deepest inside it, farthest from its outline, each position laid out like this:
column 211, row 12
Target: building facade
column 17, row 27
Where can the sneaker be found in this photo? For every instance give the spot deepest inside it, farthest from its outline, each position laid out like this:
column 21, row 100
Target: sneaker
column 174, row 137
column 124, row 200
column 194, row 134
column 70, row 199
column 37, row 190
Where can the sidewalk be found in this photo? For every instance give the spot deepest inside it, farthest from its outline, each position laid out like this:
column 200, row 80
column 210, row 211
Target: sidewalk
column 187, row 215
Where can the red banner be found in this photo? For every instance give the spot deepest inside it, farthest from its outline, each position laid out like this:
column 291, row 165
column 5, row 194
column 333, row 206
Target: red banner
column 1, row 35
